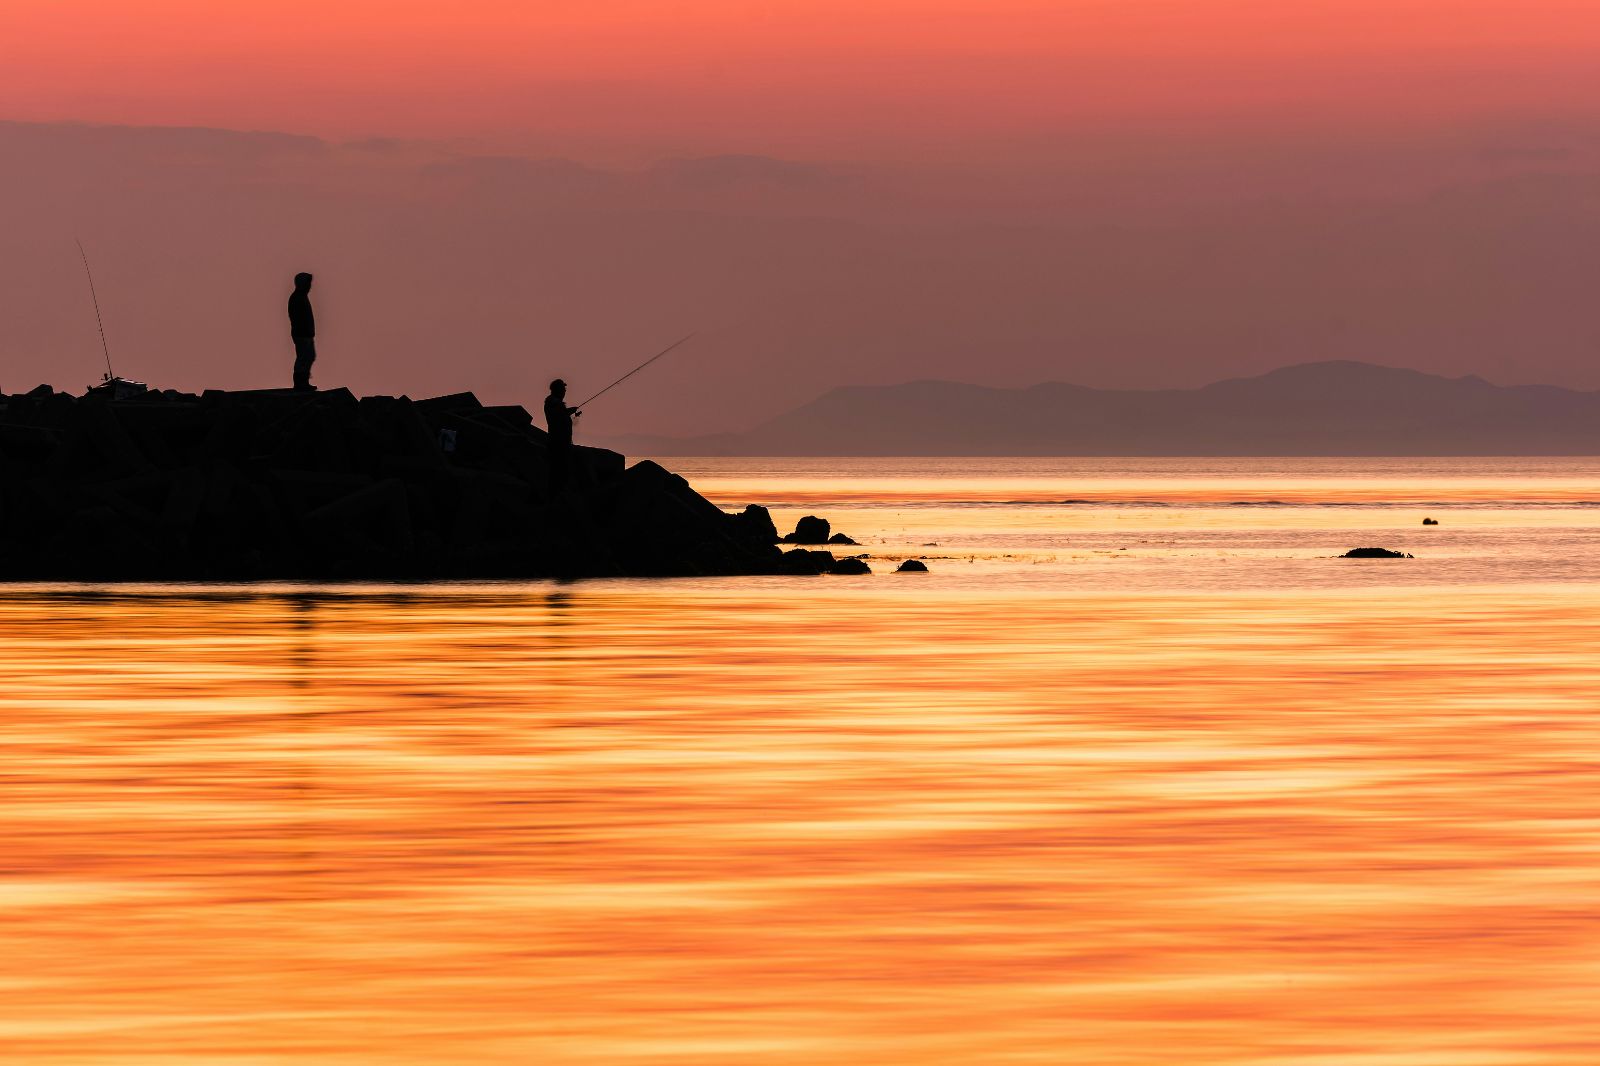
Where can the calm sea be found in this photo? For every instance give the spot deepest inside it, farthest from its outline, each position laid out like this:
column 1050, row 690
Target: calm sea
column 1139, row 773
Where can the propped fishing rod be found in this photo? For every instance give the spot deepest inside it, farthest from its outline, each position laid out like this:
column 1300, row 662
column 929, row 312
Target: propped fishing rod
column 110, row 374
column 630, row 373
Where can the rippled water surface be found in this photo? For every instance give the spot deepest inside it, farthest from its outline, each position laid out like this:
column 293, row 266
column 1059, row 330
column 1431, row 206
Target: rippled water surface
column 1218, row 798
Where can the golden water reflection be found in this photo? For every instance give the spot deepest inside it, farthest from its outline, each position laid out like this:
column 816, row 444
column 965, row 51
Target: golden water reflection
column 632, row 823
column 1190, row 482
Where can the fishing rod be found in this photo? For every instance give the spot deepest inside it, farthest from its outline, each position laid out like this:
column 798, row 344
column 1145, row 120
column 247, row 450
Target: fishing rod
column 110, row 374
column 630, row 373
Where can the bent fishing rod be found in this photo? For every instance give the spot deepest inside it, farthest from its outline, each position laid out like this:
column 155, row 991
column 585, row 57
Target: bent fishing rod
column 96, row 298
column 630, row 373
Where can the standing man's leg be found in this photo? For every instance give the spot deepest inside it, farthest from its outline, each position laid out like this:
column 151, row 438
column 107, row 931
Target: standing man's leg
column 305, row 353
column 559, row 457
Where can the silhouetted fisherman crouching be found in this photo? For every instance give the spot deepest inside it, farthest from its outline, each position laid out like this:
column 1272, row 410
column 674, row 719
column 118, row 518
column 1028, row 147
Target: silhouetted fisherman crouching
column 302, row 330
column 558, row 422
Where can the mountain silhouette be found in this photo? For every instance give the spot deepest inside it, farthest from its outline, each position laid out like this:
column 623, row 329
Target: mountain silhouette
column 1325, row 408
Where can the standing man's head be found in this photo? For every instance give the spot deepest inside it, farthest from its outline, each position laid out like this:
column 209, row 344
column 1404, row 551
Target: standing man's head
column 558, row 388
column 302, row 282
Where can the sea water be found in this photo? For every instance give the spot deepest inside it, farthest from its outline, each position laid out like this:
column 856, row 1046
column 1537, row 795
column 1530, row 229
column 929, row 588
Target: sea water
column 1139, row 773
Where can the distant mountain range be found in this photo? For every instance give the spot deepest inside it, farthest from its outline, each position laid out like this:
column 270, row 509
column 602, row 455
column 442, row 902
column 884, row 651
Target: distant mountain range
column 1328, row 408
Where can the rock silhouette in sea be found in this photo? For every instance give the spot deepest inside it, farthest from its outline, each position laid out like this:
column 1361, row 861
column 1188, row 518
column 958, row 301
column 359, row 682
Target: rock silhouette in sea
column 323, row 485
column 1430, row 521
column 912, row 566
column 851, row 566
column 809, row 530
column 1374, row 553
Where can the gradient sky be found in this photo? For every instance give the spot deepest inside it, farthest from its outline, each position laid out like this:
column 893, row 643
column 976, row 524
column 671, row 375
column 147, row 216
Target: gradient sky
column 897, row 77
column 1094, row 190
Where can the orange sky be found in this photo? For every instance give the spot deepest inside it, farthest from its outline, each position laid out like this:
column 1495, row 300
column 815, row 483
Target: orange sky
column 621, row 77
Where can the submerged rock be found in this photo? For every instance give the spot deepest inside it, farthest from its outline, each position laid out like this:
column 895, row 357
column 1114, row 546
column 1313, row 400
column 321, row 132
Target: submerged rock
column 912, row 566
column 1430, row 521
column 1374, row 553
column 850, row 567
column 840, row 538
column 323, row 485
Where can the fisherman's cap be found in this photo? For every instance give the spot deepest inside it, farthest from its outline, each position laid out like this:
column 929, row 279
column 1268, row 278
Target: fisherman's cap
column 558, row 383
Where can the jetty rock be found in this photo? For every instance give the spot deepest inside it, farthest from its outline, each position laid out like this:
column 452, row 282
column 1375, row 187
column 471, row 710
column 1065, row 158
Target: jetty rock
column 278, row 484
column 803, row 561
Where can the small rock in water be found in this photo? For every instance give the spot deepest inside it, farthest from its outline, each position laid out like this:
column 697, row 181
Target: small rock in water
column 850, row 566
column 840, row 538
column 1430, row 521
column 913, row 566
column 1374, row 553
column 809, row 530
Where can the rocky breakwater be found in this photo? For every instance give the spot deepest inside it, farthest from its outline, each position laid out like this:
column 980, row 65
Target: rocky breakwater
column 230, row 486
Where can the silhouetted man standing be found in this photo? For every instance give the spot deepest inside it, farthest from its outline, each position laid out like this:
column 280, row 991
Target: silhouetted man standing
column 558, row 421
column 303, row 331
